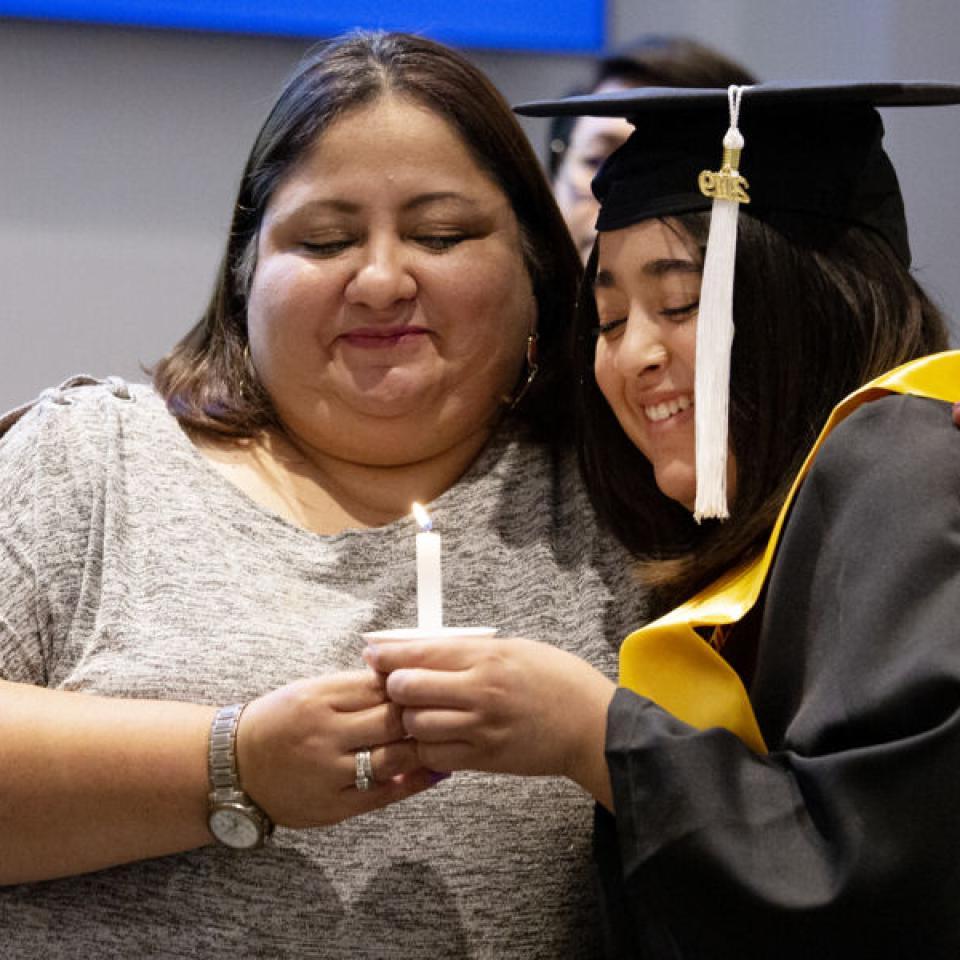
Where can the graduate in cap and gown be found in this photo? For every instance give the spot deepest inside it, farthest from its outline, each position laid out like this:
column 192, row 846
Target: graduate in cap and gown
column 766, row 420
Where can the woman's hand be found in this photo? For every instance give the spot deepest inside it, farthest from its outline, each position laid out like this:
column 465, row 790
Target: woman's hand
column 505, row 705
column 296, row 749
column 87, row 782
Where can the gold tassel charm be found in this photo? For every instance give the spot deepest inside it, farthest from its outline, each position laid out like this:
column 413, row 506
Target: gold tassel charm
column 726, row 183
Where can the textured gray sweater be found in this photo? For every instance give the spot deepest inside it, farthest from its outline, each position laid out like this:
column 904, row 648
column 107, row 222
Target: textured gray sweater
column 129, row 566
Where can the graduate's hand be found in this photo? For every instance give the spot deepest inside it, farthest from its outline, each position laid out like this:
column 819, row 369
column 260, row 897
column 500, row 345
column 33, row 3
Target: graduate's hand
column 296, row 749
column 506, row 705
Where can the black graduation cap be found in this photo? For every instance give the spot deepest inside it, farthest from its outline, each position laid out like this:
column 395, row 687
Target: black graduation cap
column 810, row 148
column 807, row 148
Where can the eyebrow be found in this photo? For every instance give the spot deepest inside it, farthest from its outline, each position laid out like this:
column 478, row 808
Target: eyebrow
column 425, row 199
column 654, row 268
column 337, row 205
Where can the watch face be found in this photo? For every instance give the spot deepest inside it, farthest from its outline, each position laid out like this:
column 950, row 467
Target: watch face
column 234, row 827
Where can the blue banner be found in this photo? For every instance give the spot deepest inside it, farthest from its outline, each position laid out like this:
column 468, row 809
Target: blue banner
column 574, row 26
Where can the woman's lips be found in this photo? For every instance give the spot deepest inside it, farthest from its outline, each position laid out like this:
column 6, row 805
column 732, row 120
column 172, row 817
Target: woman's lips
column 370, row 338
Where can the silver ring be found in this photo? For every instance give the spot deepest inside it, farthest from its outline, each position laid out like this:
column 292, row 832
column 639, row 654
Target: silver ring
column 364, row 768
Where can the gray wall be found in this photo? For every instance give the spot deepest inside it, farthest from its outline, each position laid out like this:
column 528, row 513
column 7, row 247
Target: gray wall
column 121, row 150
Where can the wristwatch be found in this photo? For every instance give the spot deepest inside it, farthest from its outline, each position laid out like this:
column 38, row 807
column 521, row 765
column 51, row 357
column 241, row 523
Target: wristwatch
column 234, row 819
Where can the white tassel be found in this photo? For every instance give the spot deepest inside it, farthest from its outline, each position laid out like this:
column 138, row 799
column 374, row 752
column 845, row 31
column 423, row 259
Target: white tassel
column 715, row 323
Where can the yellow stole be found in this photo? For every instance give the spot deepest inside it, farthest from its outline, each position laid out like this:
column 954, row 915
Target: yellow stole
column 670, row 663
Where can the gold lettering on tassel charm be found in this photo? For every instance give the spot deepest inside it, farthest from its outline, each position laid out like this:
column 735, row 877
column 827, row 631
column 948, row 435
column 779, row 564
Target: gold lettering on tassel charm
column 725, row 183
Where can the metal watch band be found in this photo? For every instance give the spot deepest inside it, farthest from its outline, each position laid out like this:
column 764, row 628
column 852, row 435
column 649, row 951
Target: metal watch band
column 222, row 758
column 226, row 793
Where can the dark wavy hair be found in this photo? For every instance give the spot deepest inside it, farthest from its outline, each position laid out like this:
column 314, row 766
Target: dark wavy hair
column 818, row 311
column 208, row 381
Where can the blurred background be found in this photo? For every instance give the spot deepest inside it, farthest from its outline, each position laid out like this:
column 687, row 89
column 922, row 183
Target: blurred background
column 121, row 145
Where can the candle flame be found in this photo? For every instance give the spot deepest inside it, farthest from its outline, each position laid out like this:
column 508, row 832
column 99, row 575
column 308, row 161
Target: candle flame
column 422, row 518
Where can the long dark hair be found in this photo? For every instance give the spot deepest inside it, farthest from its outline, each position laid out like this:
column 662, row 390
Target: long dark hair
column 208, row 380
column 818, row 311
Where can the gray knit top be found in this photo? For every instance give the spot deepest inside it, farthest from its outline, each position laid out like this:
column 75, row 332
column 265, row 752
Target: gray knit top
column 129, row 566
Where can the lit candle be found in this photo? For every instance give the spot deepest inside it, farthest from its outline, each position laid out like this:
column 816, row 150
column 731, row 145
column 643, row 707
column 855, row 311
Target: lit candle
column 429, row 576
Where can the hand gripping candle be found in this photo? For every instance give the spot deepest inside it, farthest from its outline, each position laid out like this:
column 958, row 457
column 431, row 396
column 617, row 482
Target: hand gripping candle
column 429, row 573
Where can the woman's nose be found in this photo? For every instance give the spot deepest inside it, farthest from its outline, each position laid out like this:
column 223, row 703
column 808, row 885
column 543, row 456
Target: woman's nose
column 642, row 350
column 382, row 276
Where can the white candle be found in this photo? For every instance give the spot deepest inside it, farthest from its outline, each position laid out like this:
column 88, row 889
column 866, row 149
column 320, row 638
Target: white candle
column 429, row 575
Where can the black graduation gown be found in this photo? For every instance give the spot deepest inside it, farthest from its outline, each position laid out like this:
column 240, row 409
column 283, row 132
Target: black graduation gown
column 844, row 841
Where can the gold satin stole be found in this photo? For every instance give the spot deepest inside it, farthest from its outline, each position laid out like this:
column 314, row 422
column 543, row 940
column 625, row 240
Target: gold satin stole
column 670, row 663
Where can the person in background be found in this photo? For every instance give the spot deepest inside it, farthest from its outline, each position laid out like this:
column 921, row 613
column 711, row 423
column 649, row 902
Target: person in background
column 776, row 773
column 191, row 748
column 579, row 145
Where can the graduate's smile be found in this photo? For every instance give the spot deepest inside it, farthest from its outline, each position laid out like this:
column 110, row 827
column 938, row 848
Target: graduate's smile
column 668, row 409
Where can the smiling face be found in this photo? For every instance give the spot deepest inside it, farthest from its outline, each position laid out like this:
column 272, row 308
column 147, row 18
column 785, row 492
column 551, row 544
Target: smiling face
column 648, row 290
column 390, row 304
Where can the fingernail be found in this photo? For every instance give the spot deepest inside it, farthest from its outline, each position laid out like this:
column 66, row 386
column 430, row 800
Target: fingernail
column 438, row 776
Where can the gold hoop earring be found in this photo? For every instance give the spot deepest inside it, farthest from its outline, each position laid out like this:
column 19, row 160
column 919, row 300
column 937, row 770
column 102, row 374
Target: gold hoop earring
column 533, row 368
column 247, row 374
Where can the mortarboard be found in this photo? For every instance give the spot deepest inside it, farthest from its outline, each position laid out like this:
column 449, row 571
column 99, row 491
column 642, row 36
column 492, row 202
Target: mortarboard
column 808, row 149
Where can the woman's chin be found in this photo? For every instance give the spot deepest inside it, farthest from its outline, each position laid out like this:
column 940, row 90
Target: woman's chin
column 679, row 483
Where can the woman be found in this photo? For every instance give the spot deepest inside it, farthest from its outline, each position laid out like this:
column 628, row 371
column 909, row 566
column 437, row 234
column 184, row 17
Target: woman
column 822, row 821
column 396, row 274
